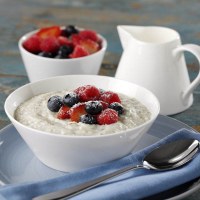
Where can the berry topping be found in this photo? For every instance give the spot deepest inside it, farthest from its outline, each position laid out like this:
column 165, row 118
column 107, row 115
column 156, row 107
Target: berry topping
column 50, row 45
column 110, row 97
column 52, row 39
column 32, row 44
column 117, row 107
column 64, row 51
column 93, row 107
column 78, row 52
column 69, row 30
column 54, row 103
column 88, row 119
column 70, row 99
column 89, row 34
column 87, row 93
column 107, row 116
column 45, row 54
column 76, row 111
column 53, row 31
column 89, row 45
column 63, row 112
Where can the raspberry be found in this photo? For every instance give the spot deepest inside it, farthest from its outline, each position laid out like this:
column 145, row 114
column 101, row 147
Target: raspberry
column 50, row 45
column 109, row 97
column 89, row 34
column 87, row 93
column 63, row 113
column 107, row 116
column 32, row 44
column 76, row 38
column 53, row 31
column 89, row 45
column 76, row 111
column 79, row 51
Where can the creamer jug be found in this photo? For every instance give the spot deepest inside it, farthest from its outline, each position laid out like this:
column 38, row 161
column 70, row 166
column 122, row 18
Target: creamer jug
column 153, row 58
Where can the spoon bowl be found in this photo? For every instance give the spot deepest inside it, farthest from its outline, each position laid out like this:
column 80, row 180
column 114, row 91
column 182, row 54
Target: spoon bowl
column 171, row 155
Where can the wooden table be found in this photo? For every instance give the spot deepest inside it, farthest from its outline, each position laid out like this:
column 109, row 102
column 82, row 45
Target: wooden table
column 18, row 17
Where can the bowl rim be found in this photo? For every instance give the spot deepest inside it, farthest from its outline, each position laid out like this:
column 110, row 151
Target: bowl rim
column 26, row 35
column 51, row 134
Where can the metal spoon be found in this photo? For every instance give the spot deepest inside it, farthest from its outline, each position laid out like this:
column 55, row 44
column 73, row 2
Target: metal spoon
column 165, row 157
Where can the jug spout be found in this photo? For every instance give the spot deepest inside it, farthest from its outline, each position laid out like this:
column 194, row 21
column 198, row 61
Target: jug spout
column 128, row 34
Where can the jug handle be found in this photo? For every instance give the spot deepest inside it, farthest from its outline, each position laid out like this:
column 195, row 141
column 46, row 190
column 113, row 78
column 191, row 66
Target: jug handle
column 195, row 50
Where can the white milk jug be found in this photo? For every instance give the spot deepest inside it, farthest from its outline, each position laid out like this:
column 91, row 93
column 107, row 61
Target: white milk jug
column 153, row 57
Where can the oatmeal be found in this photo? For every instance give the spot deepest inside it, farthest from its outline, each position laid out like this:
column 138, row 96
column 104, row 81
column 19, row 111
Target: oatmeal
column 36, row 114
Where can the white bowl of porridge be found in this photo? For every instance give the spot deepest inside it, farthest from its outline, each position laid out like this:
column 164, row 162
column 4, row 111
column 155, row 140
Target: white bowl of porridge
column 77, row 121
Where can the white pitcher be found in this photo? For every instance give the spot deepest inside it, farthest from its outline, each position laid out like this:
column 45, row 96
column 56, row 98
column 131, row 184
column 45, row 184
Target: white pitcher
column 153, row 57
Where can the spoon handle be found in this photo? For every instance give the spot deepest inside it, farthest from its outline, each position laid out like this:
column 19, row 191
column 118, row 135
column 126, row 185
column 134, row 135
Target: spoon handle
column 70, row 192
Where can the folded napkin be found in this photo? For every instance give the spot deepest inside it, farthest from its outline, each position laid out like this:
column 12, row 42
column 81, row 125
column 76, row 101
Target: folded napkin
column 136, row 184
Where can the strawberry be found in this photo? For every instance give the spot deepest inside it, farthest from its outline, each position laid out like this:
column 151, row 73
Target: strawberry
column 78, row 52
column 107, row 116
column 50, row 45
column 63, row 113
column 89, row 45
column 109, row 97
column 76, row 111
column 64, row 41
column 53, row 31
column 87, row 93
column 89, row 34
column 32, row 44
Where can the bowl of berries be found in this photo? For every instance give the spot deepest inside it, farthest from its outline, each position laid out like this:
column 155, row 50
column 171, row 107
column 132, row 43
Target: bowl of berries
column 77, row 121
column 56, row 50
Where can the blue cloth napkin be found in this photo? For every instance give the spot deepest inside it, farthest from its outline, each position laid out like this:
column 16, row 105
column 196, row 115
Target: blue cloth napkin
column 136, row 184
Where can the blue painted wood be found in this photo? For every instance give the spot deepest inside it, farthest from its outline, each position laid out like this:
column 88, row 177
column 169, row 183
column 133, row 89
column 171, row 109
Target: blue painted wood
column 21, row 16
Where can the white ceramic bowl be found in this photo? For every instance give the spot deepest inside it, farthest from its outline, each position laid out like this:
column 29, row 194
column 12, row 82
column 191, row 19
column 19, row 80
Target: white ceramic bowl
column 38, row 67
column 71, row 153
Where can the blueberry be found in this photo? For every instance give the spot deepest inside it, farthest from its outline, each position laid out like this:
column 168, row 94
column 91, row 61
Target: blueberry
column 88, row 119
column 69, row 30
column 117, row 107
column 64, row 51
column 93, row 107
column 55, row 103
column 70, row 99
column 45, row 54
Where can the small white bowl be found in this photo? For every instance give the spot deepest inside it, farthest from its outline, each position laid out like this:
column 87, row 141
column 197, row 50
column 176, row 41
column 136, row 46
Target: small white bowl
column 71, row 153
column 38, row 67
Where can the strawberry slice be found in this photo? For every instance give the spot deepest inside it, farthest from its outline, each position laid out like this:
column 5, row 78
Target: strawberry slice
column 89, row 45
column 78, row 52
column 53, row 31
column 76, row 111
column 107, row 116
column 109, row 97
column 63, row 113
column 64, row 41
column 89, row 34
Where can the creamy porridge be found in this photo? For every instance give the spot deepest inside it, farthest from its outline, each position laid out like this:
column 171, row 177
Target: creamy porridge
column 35, row 114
